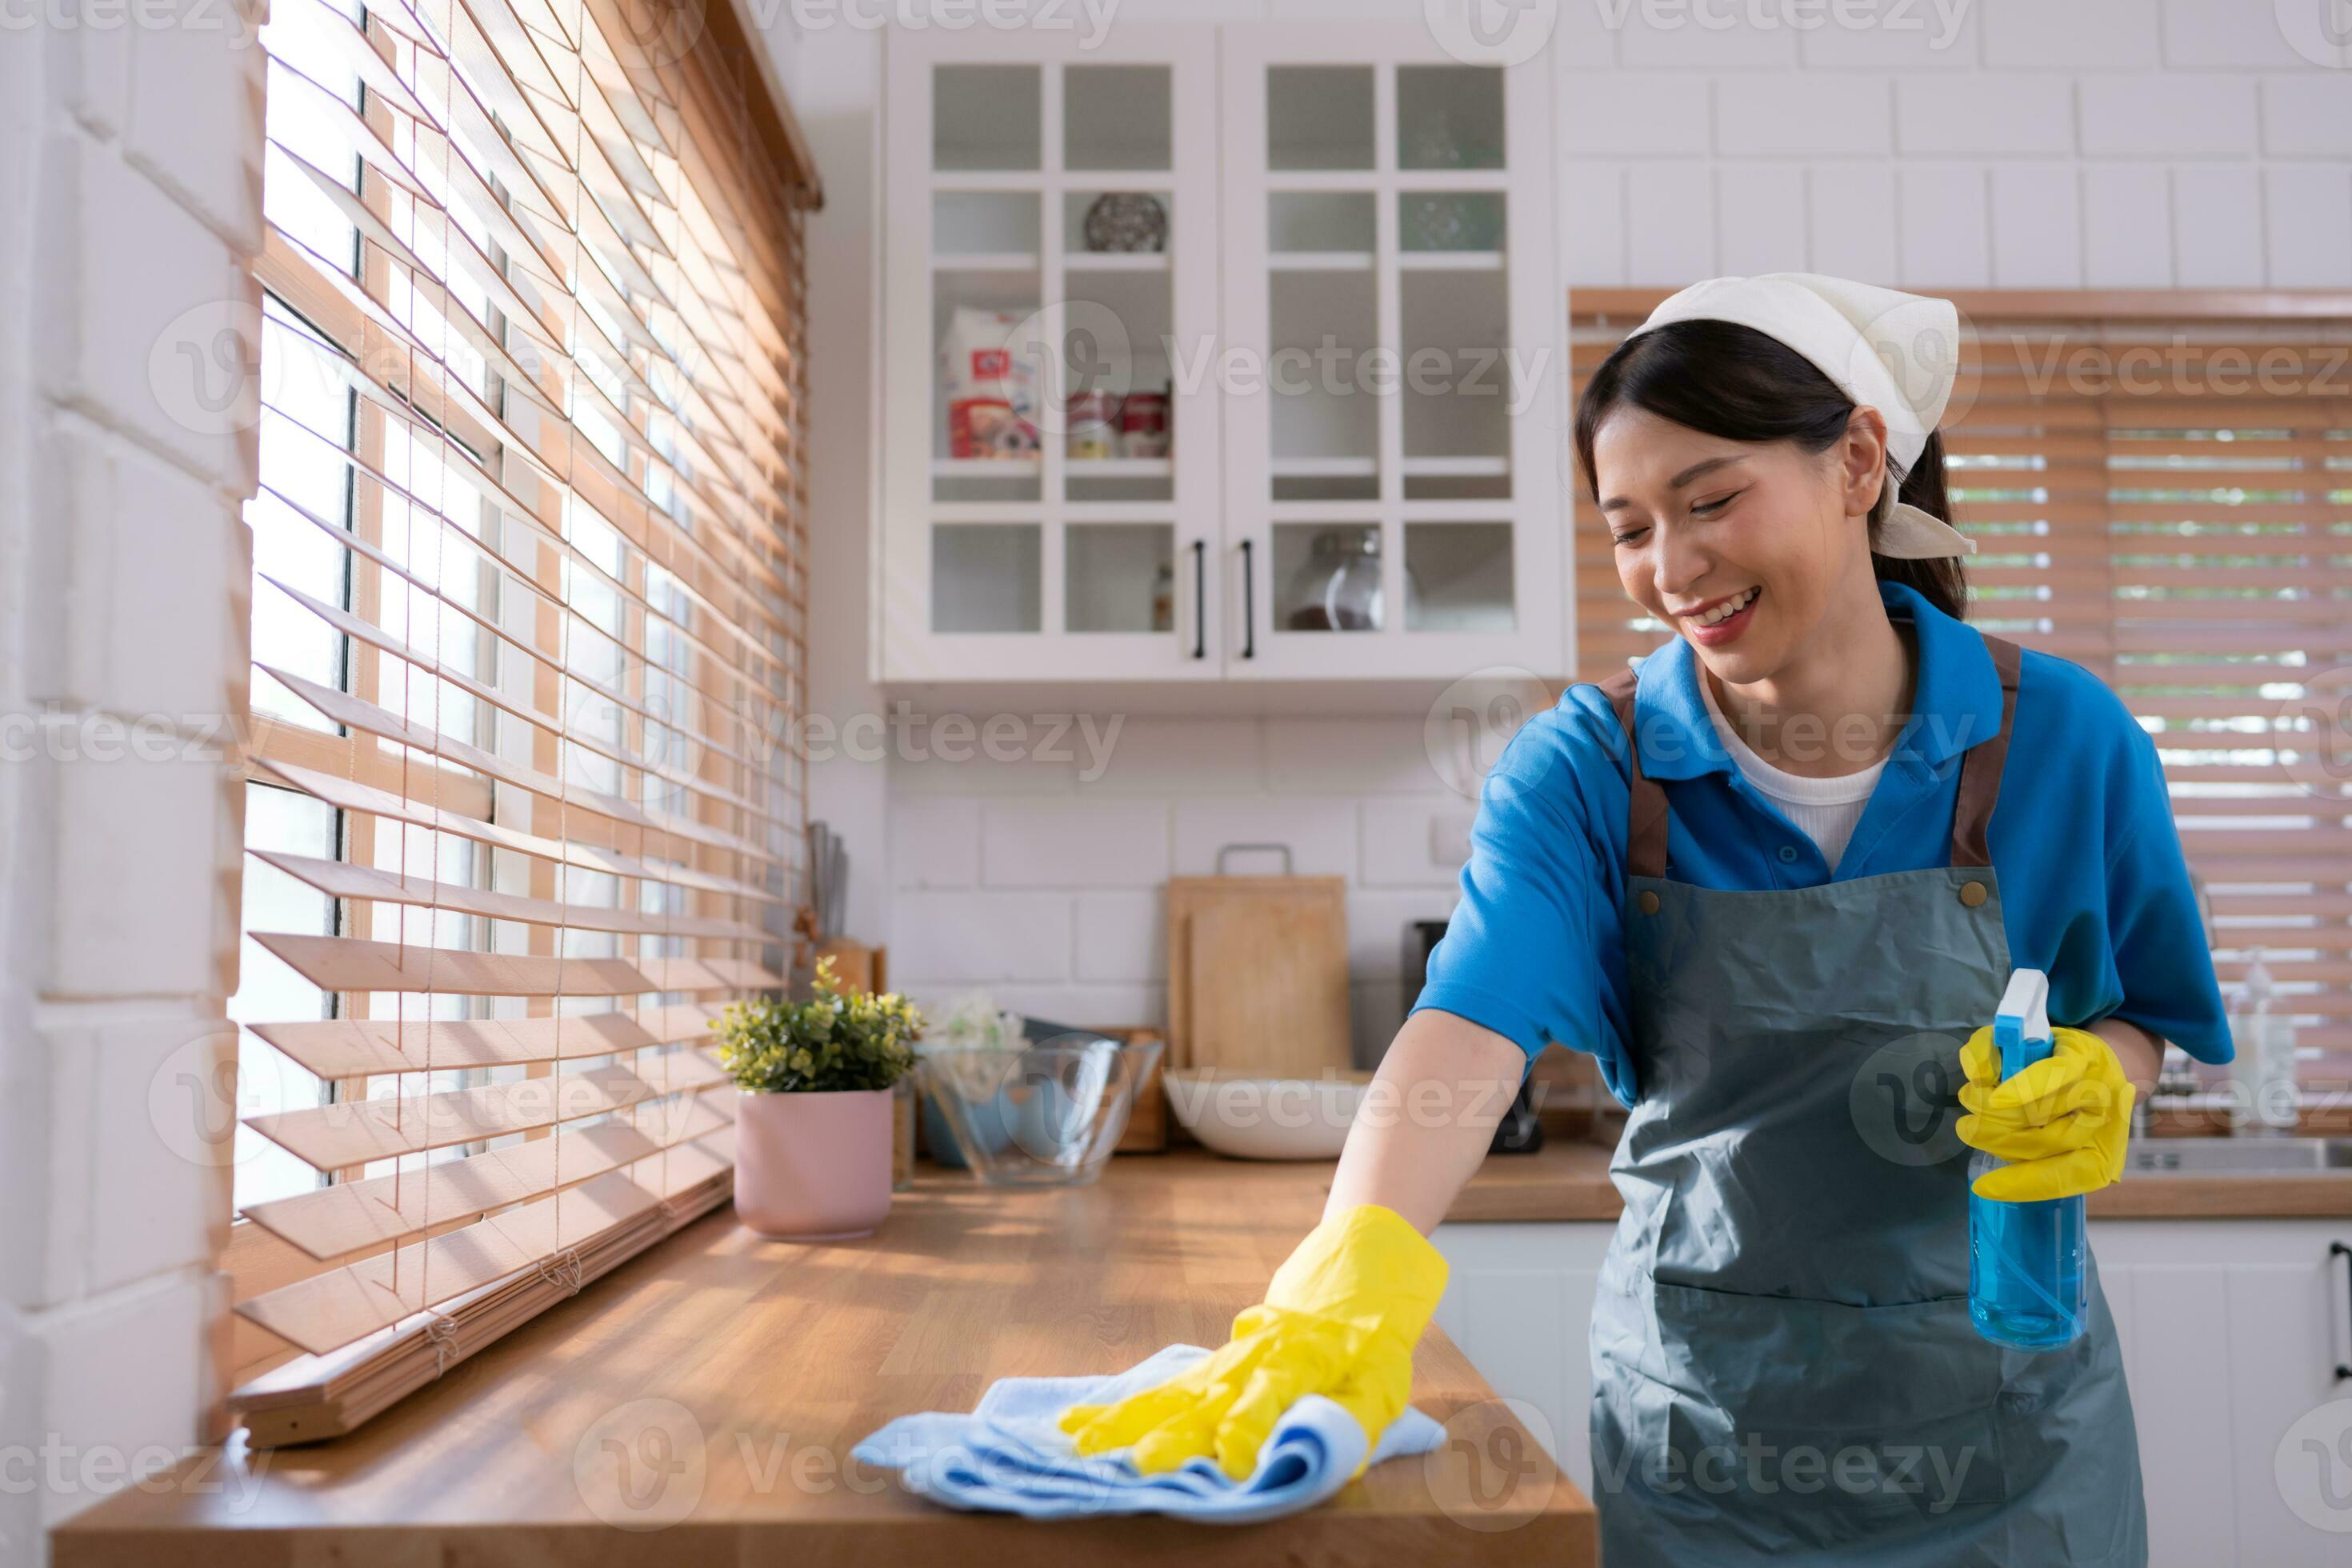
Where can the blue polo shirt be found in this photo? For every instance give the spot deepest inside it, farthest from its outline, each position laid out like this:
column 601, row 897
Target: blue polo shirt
column 2094, row 889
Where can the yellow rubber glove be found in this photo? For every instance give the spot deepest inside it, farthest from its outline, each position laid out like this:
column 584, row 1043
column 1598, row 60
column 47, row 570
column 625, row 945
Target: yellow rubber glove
column 2062, row 1123
column 1341, row 1319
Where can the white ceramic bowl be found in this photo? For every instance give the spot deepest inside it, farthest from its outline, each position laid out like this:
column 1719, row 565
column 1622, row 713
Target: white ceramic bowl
column 1255, row 1117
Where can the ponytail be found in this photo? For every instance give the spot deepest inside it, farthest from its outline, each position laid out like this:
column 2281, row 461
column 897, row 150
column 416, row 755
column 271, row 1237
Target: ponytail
column 1940, row 582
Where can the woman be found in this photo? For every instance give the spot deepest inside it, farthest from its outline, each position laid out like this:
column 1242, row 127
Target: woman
column 1776, row 881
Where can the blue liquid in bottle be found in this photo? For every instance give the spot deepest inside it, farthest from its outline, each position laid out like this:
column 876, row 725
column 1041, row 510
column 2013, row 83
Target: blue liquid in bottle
column 2026, row 1260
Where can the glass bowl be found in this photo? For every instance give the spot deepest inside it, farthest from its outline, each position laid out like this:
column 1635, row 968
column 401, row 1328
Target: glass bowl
column 1046, row 1115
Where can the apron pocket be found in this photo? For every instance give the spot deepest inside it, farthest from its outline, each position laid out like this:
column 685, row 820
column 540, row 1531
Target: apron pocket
column 1780, row 1424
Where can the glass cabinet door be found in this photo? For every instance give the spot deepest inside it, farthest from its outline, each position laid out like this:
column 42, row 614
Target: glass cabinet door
column 1050, row 478
column 1393, row 485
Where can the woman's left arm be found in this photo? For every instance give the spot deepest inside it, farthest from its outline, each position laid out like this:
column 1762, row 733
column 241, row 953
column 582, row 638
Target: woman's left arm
column 2141, row 1053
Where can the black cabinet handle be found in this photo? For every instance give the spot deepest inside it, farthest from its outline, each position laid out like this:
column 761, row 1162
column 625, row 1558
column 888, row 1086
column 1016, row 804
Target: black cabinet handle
column 1249, row 600
column 2337, row 1249
column 1200, row 598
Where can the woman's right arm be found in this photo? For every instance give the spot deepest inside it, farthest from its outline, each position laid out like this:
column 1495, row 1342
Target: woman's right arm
column 1428, row 1119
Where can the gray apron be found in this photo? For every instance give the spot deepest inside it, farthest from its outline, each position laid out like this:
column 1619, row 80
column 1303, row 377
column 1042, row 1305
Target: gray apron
column 1783, row 1365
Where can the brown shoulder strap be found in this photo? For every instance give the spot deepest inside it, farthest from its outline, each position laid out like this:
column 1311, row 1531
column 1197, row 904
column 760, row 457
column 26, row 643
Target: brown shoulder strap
column 1981, row 765
column 1645, row 837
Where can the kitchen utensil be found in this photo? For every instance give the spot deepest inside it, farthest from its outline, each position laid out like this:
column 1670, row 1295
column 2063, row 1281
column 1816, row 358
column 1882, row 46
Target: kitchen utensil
column 1257, row 971
column 1251, row 1116
column 1048, row 1115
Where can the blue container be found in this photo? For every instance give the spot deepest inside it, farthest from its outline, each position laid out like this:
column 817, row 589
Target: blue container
column 2026, row 1260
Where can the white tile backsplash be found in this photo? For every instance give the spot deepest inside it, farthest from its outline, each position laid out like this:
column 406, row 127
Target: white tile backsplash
column 2127, row 227
column 1090, row 842
column 1838, row 114
column 1992, row 113
column 971, row 938
column 2192, row 116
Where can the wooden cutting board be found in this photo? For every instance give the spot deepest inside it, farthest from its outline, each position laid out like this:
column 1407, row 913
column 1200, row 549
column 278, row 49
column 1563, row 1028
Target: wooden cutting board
column 1257, row 974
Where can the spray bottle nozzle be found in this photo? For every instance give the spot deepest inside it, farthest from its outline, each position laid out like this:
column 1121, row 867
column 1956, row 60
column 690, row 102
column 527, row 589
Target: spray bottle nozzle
column 2021, row 1028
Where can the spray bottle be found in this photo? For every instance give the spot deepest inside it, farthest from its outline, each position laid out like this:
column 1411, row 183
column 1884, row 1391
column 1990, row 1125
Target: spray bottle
column 2264, row 1041
column 2025, row 1259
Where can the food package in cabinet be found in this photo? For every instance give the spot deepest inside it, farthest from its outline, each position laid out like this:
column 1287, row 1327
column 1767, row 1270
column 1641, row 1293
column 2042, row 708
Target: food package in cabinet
column 990, row 386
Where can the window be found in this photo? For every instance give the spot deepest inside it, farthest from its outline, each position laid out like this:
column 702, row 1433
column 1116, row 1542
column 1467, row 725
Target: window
column 523, row 807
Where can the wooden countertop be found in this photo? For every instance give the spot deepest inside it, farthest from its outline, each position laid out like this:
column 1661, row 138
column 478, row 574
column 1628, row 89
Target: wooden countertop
column 1568, row 1179
column 743, row 1370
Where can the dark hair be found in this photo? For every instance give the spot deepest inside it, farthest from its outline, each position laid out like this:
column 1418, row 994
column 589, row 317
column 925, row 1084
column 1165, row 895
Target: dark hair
column 1731, row 381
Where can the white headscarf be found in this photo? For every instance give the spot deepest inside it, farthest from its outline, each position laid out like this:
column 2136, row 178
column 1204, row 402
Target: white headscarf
column 1886, row 350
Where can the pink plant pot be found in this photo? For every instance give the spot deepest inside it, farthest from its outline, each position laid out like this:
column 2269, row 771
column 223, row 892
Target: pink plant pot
column 813, row 1167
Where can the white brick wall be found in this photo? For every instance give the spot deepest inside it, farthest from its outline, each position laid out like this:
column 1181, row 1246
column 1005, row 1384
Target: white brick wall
column 130, row 171
column 1875, row 143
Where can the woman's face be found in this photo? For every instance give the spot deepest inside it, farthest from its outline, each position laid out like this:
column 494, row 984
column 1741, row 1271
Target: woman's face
column 1701, row 526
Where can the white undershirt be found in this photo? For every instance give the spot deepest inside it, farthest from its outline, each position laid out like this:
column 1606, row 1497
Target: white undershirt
column 1827, row 809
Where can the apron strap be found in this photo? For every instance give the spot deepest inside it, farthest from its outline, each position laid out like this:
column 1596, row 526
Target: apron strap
column 1981, row 768
column 1981, row 771
column 1645, row 839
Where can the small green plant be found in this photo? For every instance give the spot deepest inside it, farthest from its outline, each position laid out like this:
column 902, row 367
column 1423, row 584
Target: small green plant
column 835, row 1040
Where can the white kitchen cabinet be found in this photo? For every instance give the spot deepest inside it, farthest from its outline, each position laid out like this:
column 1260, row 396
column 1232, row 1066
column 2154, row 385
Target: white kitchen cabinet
column 1052, row 565
column 1355, row 316
column 2234, row 1331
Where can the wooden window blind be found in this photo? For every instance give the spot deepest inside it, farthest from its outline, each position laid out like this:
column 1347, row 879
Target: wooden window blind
column 2160, row 487
column 524, row 805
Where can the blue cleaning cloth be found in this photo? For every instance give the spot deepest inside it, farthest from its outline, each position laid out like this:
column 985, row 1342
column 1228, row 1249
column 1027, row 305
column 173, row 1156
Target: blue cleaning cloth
column 1008, row 1456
